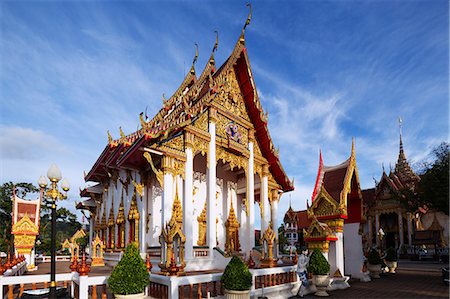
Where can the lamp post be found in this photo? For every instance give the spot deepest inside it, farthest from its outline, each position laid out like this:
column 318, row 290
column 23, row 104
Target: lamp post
column 52, row 194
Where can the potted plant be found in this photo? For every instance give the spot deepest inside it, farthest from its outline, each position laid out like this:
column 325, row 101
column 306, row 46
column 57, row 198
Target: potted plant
column 129, row 277
column 391, row 259
column 319, row 267
column 237, row 279
column 374, row 260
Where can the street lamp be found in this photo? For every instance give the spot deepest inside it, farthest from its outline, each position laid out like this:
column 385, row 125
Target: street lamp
column 52, row 193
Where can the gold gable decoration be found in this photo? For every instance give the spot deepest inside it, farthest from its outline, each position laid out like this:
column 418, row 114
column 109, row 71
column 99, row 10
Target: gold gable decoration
column 232, row 243
column 318, row 235
column 172, row 240
column 202, row 227
column 230, row 97
column 25, row 227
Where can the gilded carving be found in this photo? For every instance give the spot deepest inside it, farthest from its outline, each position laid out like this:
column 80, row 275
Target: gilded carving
column 159, row 174
column 202, row 122
column 139, row 188
column 176, row 143
column 229, row 96
column 232, row 243
column 200, row 145
column 202, row 227
column 234, row 160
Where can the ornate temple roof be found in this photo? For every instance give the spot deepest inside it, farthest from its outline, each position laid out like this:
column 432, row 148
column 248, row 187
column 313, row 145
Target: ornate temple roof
column 188, row 104
column 333, row 178
column 403, row 175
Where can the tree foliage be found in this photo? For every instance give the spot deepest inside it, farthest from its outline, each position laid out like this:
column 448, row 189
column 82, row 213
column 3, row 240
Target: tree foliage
column 282, row 240
column 130, row 276
column 236, row 276
column 318, row 264
column 432, row 191
column 434, row 183
column 374, row 257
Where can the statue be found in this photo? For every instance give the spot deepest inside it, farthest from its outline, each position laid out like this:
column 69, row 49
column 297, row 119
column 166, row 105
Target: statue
column 302, row 270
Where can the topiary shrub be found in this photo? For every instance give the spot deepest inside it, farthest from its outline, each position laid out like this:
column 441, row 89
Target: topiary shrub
column 236, row 276
column 130, row 275
column 391, row 255
column 374, row 257
column 318, row 264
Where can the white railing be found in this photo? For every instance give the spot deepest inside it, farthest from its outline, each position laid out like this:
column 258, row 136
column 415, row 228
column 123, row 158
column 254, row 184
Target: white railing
column 47, row 259
column 18, row 269
column 83, row 284
column 11, row 281
column 275, row 280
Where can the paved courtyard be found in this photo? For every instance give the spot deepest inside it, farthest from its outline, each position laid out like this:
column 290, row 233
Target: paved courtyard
column 412, row 280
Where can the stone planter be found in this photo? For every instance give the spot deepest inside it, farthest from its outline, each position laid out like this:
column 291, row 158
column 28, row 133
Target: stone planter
column 321, row 282
column 131, row 296
column 231, row 294
column 392, row 266
column 375, row 270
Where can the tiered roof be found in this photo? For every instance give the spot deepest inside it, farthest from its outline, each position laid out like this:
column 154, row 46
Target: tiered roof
column 189, row 102
column 402, row 177
column 298, row 217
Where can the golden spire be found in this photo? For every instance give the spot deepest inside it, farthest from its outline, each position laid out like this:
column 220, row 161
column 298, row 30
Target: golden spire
column 353, row 154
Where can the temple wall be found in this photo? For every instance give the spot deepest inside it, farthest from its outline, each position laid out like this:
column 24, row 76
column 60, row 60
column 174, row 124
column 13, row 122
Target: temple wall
column 353, row 250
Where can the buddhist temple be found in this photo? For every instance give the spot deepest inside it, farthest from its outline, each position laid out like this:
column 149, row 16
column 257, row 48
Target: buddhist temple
column 193, row 178
column 389, row 224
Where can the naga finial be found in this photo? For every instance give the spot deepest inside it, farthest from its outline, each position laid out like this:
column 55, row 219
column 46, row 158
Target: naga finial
column 247, row 22
column 142, row 120
column 165, row 101
column 110, row 139
column 216, row 44
column 122, row 134
column 249, row 17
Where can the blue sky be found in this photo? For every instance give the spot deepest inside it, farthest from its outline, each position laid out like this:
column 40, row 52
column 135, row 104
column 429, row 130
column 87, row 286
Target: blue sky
column 326, row 71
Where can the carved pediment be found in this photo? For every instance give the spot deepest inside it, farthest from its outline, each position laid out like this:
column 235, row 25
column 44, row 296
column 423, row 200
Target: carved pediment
column 25, row 226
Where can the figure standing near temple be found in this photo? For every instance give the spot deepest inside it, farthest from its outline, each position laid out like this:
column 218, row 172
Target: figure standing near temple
column 302, row 271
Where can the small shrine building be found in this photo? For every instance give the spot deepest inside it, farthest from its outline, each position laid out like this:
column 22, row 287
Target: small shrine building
column 335, row 217
column 25, row 227
column 195, row 176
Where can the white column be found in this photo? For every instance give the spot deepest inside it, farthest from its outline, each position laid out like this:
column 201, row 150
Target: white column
column 274, row 217
column 264, row 192
column 377, row 228
column 187, row 204
column 340, row 252
column 400, row 227
column 409, row 217
column 211, row 200
column 167, row 198
column 251, row 197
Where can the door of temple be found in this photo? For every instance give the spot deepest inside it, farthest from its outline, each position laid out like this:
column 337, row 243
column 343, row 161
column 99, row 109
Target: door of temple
column 390, row 240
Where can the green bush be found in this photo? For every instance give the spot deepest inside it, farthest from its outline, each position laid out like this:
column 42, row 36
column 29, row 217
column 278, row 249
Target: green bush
column 130, row 276
column 391, row 255
column 374, row 257
column 236, row 276
column 318, row 264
